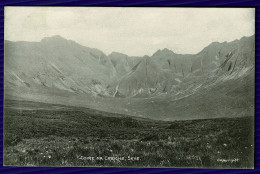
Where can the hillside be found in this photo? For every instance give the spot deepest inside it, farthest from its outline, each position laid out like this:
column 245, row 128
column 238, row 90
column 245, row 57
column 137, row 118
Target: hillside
column 38, row 134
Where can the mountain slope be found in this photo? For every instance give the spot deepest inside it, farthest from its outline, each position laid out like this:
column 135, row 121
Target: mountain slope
column 167, row 72
column 216, row 82
column 56, row 63
column 144, row 79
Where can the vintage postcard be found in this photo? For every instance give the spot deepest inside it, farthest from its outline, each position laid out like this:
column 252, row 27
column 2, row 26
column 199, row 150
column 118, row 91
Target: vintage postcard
column 129, row 87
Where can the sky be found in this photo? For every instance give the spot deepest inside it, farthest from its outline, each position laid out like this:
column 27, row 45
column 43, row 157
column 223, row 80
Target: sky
column 132, row 31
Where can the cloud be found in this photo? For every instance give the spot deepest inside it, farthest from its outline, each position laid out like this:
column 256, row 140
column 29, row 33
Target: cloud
column 133, row 31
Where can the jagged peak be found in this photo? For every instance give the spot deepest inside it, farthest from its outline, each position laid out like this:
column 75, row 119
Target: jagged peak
column 163, row 52
column 166, row 49
column 117, row 53
column 146, row 56
column 54, row 38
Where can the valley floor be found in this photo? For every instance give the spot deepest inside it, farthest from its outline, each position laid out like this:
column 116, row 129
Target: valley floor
column 38, row 134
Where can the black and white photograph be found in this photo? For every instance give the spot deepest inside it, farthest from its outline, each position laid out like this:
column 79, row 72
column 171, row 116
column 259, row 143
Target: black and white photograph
column 160, row 87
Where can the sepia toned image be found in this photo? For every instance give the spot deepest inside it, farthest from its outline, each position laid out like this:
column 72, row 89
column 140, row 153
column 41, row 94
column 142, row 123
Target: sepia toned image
column 129, row 87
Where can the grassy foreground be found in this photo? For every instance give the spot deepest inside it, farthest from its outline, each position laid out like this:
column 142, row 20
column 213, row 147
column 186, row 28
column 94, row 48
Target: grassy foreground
column 47, row 135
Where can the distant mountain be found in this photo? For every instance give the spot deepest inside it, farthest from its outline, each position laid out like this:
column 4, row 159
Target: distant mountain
column 222, row 87
column 57, row 63
column 167, row 72
column 144, row 79
column 122, row 63
column 166, row 85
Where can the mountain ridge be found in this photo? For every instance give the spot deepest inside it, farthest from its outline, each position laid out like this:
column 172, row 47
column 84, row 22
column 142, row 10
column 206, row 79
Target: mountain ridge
column 56, row 68
column 63, row 38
